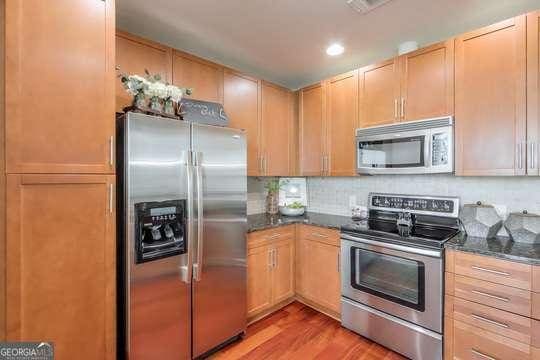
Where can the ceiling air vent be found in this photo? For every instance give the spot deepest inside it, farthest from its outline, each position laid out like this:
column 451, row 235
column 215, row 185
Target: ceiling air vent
column 364, row 6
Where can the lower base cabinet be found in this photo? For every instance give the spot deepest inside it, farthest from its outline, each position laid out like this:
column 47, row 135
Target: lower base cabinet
column 270, row 262
column 61, row 266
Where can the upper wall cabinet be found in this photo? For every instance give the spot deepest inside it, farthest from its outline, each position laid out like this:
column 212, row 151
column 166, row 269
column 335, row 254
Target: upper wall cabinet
column 60, row 69
column 312, row 138
column 533, row 92
column 134, row 55
column 379, row 93
column 204, row 77
column 342, row 121
column 490, row 100
column 427, row 82
column 414, row 86
column 241, row 102
column 276, row 130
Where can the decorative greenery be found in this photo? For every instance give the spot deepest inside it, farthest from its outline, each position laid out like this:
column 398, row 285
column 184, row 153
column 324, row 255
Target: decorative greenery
column 272, row 186
column 295, row 205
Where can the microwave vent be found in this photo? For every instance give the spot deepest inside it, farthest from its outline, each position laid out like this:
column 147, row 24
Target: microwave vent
column 407, row 126
column 365, row 6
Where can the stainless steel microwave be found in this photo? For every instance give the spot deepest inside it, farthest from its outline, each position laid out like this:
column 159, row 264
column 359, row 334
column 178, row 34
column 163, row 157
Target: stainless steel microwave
column 415, row 147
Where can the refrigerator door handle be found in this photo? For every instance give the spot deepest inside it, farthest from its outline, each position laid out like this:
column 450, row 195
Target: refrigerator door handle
column 186, row 271
column 198, row 266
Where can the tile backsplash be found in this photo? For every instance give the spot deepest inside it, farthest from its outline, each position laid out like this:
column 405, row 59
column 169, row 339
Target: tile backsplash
column 333, row 195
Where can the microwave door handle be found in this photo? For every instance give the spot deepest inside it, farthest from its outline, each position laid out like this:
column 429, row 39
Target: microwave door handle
column 429, row 149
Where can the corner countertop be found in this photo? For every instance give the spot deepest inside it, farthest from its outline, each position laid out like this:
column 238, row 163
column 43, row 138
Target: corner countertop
column 264, row 221
column 499, row 247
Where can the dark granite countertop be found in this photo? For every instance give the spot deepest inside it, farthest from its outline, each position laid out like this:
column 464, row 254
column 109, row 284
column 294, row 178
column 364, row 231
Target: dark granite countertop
column 265, row 221
column 499, row 247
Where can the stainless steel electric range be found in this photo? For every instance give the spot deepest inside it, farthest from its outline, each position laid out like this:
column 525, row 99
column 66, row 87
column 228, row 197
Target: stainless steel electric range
column 393, row 272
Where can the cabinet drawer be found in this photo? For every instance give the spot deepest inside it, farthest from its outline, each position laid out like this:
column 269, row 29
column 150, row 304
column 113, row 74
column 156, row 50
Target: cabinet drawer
column 320, row 234
column 494, row 270
column 499, row 296
column 263, row 237
column 514, row 326
column 471, row 342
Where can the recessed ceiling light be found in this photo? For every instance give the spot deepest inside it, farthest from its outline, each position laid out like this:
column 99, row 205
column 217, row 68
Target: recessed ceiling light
column 335, row 49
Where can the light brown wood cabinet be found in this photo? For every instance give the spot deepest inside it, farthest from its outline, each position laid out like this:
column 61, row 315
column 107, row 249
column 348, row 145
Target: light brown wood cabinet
column 312, row 134
column 204, row 77
column 61, row 266
column 134, row 55
column 270, row 262
column 490, row 310
column 241, row 100
column 414, row 86
column 317, row 267
column 60, row 75
column 491, row 100
column 342, row 121
column 276, row 130
column 533, row 93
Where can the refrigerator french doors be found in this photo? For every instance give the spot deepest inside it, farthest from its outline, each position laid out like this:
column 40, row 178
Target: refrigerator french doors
column 184, row 201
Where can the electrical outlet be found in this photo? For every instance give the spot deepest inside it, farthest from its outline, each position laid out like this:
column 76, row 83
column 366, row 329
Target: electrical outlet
column 501, row 210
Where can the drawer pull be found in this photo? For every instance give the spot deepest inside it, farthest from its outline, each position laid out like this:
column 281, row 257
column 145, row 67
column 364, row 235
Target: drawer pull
column 490, row 295
column 489, row 321
column 502, row 273
column 275, row 236
column 481, row 354
column 319, row 235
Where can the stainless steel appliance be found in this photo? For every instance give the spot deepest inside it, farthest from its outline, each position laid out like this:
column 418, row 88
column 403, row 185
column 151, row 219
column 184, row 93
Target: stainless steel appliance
column 415, row 147
column 392, row 272
column 183, row 224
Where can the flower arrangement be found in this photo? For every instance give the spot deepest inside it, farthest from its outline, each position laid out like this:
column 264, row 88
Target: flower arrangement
column 161, row 95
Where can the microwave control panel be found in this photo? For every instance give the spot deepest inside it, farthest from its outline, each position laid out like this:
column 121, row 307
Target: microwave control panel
column 160, row 229
column 439, row 149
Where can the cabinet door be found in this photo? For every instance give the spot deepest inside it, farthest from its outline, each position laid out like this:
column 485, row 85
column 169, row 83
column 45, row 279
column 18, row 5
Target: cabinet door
column 204, row 77
column 259, row 280
column 283, row 271
column 342, row 121
column 276, row 130
column 61, row 266
column 533, row 92
column 302, row 279
column 490, row 100
column 241, row 103
column 134, row 55
column 60, row 75
column 379, row 93
column 427, row 82
column 325, row 284
column 312, row 139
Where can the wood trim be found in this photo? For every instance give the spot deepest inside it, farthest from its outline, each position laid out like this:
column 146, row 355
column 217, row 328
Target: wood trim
column 520, row 94
column 449, row 306
column 318, row 307
column 449, row 260
column 2, row 177
column 448, row 339
column 449, row 286
column 533, row 88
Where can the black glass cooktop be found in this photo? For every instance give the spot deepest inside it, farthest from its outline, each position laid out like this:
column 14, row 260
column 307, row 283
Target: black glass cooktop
column 430, row 235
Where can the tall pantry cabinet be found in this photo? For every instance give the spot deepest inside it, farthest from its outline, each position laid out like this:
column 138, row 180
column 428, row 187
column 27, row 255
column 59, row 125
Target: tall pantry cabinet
column 59, row 141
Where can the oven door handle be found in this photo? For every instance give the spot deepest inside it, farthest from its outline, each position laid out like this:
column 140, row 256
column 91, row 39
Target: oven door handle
column 408, row 249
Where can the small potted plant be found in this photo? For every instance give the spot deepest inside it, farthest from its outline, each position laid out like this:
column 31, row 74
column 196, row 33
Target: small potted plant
column 272, row 199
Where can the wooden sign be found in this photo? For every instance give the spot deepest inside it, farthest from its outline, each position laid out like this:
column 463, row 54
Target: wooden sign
column 204, row 112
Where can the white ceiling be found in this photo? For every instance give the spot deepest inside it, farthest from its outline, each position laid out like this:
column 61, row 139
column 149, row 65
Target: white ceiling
column 284, row 41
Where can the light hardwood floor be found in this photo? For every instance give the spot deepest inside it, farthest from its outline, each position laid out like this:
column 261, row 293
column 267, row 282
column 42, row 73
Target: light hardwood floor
column 299, row 332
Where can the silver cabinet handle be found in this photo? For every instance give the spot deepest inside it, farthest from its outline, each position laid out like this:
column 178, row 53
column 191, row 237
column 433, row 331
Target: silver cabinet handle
column 532, row 155
column 395, row 108
column 261, row 169
column 500, row 298
column 186, row 271
column 481, row 354
column 275, row 258
column 496, row 272
column 111, row 196
column 198, row 266
column 111, row 150
column 402, row 108
column 489, row 321
column 319, row 235
column 270, row 258
column 520, row 155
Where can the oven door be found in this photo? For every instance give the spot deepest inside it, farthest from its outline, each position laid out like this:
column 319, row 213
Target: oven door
column 399, row 280
column 393, row 153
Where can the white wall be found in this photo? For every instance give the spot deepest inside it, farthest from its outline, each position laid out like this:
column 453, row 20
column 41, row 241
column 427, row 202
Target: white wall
column 331, row 195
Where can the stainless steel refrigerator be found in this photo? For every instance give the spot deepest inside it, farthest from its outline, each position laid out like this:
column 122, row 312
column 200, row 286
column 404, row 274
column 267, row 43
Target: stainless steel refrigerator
column 182, row 239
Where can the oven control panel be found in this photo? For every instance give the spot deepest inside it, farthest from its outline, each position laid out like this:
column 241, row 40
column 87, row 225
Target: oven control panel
column 421, row 204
